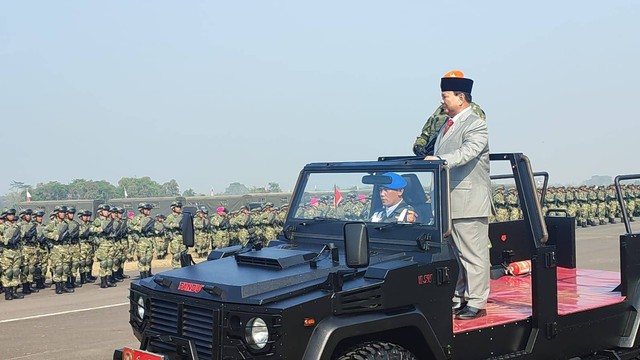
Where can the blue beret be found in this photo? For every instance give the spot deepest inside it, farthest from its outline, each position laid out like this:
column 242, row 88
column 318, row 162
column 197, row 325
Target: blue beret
column 397, row 181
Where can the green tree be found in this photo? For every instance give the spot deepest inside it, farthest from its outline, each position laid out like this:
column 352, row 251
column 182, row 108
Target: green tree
column 140, row 187
column 171, row 188
column 236, row 189
column 274, row 187
column 189, row 192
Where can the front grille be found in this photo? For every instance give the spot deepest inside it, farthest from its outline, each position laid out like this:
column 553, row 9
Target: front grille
column 186, row 321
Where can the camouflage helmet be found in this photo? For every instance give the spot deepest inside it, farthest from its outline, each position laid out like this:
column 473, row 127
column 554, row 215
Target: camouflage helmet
column 113, row 209
column 104, row 207
column 244, row 207
column 87, row 213
column 161, row 216
column 59, row 209
column 268, row 204
column 145, row 206
column 176, row 204
column 25, row 212
column 71, row 210
column 11, row 211
column 120, row 210
column 39, row 213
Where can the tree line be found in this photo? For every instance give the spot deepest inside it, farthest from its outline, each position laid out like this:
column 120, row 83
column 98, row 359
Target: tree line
column 133, row 187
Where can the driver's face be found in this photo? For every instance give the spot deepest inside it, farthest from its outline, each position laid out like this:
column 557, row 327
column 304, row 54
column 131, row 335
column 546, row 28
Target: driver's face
column 390, row 197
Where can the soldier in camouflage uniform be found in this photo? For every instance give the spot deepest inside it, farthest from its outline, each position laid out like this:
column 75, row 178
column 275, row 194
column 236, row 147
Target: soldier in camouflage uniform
column 120, row 245
column 200, row 226
column 549, row 201
column 42, row 260
column 86, row 247
column 73, row 248
column 242, row 222
column 30, row 250
column 57, row 233
column 561, row 200
column 629, row 198
column 512, row 205
column 281, row 217
column 602, row 216
column 583, row 202
column 502, row 214
column 143, row 226
column 572, row 206
column 102, row 228
column 437, row 119
column 220, row 221
column 612, row 203
column 173, row 224
column 11, row 258
column 161, row 237
column 269, row 219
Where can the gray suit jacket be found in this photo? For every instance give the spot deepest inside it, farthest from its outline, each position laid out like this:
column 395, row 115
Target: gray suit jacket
column 465, row 147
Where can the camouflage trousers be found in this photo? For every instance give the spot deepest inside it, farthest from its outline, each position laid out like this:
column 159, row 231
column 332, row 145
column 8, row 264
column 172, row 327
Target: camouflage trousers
column 132, row 242
column 220, row 239
column 60, row 263
column 631, row 208
column 243, row 236
column 515, row 213
column 86, row 256
column 119, row 254
column 74, row 257
column 572, row 209
column 162, row 245
column 43, row 261
column 201, row 243
column 144, row 252
column 502, row 214
column 104, row 255
column 30, row 271
column 269, row 234
column 176, row 248
column 10, row 262
column 612, row 210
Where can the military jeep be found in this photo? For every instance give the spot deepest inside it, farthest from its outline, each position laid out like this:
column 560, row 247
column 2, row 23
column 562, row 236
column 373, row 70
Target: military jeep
column 336, row 285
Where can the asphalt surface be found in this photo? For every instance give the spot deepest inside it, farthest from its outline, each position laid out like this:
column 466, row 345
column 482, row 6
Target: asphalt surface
column 92, row 322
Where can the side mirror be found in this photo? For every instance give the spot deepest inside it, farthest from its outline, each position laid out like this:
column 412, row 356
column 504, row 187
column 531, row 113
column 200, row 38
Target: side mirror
column 187, row 227
column 356, row 244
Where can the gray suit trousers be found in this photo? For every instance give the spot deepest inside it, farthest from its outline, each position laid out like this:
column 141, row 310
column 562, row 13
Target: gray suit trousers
column 470, row 242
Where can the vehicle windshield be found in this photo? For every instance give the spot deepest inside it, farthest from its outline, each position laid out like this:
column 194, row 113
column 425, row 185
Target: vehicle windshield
column 381, row 197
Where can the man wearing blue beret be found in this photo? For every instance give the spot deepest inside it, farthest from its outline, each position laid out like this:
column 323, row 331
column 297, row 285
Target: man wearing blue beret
column 394, row 207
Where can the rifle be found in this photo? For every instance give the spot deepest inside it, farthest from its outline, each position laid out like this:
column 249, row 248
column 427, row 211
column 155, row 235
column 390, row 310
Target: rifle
column 74, row 234
column 85, row 234
column 63, row 233
column 29, row 236
column 224, row 224
column 108, row 230
column 15, row 238
column 148, row 228
column 122, row 230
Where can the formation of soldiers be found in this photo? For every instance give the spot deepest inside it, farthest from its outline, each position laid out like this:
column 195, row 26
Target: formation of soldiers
column 355, row 207
column 64, row 248
column 590, row 205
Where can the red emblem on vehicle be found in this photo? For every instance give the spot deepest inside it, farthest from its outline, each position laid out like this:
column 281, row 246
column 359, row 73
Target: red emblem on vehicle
column 503, row 237
column 190, row 287
column 425, row 279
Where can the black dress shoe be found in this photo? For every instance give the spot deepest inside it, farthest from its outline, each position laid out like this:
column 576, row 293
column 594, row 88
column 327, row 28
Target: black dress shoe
column 470, row 312
column 458, row 306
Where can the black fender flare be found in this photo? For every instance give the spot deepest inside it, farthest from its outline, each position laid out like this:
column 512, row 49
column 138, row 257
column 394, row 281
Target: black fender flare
column 332, row 330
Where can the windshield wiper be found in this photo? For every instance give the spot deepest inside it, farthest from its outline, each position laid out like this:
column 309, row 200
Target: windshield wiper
column 393, row 224
column 317, row 219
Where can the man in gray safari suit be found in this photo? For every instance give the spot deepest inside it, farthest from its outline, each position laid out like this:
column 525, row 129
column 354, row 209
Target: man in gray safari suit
column 463, row 142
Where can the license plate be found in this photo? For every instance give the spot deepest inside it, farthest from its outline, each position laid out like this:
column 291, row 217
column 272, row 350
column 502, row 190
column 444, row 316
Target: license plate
column 135, row 354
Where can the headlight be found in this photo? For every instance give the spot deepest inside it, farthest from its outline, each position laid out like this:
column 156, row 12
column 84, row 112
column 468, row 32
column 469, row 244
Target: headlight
column 256, row 333
column 140, row 307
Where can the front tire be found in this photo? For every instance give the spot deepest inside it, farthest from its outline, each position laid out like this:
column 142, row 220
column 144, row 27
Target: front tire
column 377, row 350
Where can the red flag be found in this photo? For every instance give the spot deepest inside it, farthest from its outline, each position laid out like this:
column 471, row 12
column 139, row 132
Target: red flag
column 28, row 196
column 337, row 197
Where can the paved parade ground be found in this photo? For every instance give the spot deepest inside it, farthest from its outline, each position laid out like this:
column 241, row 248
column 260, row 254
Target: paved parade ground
column 90, row 323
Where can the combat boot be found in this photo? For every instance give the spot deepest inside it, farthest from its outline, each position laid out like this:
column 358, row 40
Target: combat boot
column 8, row 293
column 122, row 275
column 58, row 288
column 114, row 278
column 40, row 283
column 68, row 284
column 15, row 294
column 105, row 284
column 67, row 288
column 88, row 278
column 74, row 283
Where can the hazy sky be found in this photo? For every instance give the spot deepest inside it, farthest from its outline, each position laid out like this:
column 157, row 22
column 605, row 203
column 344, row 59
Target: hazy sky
column 212, row 92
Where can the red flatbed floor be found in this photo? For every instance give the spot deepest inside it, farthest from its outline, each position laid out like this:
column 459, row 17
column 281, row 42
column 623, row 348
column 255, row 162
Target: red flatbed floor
column 578, row 290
